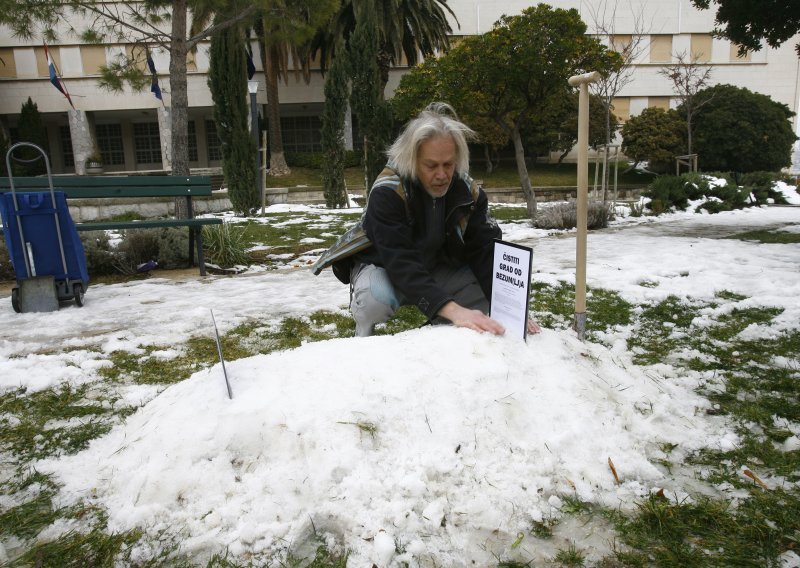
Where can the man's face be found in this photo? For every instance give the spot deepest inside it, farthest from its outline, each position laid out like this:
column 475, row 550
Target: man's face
column 436, row 163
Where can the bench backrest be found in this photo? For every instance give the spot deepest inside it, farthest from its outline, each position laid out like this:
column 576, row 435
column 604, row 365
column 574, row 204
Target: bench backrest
column 115, row 186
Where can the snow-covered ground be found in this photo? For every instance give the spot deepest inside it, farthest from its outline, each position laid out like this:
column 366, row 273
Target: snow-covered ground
column 435, row 446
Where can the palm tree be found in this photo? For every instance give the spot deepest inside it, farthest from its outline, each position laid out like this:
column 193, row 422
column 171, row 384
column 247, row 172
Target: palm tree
column 284, row 32
column 407, row 28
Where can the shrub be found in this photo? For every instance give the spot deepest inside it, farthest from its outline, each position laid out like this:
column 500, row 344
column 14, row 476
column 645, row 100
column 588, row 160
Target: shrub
column 565, row 216
column 173, row 248
column 666, row 192
column 225, row 245
column 137, row 247
column 742, row 130
column 655, row 135
column 100, row 257
column 760, row 185
column 6, row 270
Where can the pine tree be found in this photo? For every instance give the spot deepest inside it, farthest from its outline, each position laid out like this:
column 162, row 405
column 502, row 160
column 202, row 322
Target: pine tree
column 227, row 81
column 373, row 113
column 31, row 129
column 333, row 149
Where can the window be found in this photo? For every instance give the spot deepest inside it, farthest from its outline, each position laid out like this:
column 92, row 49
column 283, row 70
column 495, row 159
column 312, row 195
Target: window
column 658, row 102
column 192, row 142
column 66, row 146
column 109, row 142
column 147, row 143
column 734, row 56
column 212, row 142
column 701, row 48
column 301, row 133
column 621, row 106
column 8, row 67
column 660, row 49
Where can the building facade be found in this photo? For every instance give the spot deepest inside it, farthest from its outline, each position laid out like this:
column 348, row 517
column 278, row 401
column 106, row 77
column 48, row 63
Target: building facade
column 132, row 130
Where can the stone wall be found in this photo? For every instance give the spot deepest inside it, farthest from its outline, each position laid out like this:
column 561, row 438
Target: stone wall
column 84, row 210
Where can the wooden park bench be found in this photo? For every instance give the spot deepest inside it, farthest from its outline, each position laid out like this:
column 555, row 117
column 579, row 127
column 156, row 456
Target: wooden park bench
column 101, row 187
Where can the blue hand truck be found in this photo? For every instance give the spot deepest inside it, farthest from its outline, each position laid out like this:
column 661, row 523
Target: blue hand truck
column 43, row 243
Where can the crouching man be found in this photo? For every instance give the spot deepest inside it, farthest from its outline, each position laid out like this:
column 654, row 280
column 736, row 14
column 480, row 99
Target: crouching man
column 426, row 237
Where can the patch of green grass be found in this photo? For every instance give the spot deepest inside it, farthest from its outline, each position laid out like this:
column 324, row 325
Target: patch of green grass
column 503, row 176
column 554, row 306
column 570, row 556
column 507, row 214
column 51, row 422
column 284, row 231
column 708, row 532
column 769, row 237
column 655, row 338
column 404, row 319
column 729, row 296
column 548, row 175
column 323, row 558
column 26, row 520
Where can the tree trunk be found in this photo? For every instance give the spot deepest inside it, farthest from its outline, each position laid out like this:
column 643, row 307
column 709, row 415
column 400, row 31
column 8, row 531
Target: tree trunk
column 689, row 131
column 277, row 160
column 522, row 170
column 179, row 100
column 488, row 156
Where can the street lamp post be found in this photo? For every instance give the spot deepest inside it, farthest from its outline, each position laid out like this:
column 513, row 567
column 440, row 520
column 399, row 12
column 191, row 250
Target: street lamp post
column 252, row 88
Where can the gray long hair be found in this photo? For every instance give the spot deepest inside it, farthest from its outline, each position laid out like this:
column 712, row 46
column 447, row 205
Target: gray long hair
column 438, row 119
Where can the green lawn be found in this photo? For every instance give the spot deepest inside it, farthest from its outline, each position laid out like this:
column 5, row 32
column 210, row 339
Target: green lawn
column 504, row 176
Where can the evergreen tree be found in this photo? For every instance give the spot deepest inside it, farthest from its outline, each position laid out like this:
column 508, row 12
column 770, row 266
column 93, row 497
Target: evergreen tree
column 31, row 129
column 655, row 135
column 333, row 150
column 228, row 84
column 742, row 131
column 373, row 113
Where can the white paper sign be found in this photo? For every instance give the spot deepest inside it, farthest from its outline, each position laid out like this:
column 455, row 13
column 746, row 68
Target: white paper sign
column 511, row 283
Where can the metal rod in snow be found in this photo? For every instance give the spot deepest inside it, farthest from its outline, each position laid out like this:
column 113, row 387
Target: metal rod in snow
column 221, row 358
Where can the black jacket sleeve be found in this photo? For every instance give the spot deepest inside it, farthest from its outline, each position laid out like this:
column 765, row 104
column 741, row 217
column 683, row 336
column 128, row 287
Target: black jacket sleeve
column 386, row 224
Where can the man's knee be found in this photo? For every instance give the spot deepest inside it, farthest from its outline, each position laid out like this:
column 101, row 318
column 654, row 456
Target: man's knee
column 374, row 298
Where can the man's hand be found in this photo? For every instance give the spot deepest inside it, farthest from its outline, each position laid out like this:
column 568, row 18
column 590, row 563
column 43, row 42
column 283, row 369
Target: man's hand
column 533, row 327
column 472, row 319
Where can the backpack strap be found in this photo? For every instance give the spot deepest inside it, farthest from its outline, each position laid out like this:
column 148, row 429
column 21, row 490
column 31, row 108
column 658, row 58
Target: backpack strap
column 389, row 178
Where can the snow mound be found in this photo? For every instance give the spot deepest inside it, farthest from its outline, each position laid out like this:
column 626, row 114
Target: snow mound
column 442, row 441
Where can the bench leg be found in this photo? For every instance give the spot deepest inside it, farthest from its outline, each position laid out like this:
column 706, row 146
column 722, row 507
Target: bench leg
column 201, row 258
column 191, row 247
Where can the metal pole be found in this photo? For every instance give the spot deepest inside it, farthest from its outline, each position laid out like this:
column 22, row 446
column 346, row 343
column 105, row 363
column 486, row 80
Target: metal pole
column 254, row 127
column 583, row 197
column 252, row 88
column 264, row 172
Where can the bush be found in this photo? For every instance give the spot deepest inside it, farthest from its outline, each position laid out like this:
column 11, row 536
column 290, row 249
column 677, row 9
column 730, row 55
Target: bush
column 100, row 257
column 137, row 247
column 6, row 270
column 666, row 192
column 225, row 245
column 675, row 192
column 352, row 159
column 173, row 248
column 565, row 216
column 760, row 185
column 742, row 130
column 169, row 247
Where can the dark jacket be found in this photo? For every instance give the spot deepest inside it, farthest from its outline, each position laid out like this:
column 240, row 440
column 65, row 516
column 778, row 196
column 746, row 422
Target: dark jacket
column 411, row 237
